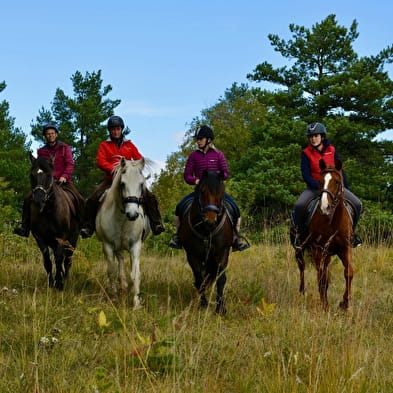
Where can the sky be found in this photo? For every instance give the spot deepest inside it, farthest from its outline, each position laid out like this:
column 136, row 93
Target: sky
column 165, row 60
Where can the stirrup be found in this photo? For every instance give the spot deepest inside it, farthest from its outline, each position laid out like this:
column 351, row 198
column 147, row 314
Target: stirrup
column 356, row 241
column 239, row 245
column 22, row 231
column 175, row 242
column 86, row 232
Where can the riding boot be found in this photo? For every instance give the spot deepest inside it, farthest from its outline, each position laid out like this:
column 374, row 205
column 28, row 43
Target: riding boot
column 152, row 211
column 175, row 242
column 356, row 241
column 240, row 243
column 24, row 229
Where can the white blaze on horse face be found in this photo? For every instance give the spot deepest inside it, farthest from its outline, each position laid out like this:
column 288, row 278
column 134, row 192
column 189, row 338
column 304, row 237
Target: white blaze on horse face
column 132, row 189
column 324, row 197
column 40, row 171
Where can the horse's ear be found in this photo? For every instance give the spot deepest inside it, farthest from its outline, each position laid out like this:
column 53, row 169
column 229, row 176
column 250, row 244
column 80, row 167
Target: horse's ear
column 32, row 158
column 322, row 164
column 339, row 165
column 123, row 162
column 221, row 175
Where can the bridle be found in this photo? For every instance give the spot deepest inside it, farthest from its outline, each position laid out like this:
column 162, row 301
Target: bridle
column 336, row 197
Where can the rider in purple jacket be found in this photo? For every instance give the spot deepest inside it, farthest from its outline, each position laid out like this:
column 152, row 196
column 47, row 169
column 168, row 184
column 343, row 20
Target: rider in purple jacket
column 63, row 167
column 207, row 157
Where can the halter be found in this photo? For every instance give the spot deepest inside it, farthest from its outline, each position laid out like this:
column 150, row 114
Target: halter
column 47, row 191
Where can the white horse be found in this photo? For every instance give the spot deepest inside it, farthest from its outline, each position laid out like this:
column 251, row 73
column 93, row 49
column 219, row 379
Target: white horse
column 122, row 224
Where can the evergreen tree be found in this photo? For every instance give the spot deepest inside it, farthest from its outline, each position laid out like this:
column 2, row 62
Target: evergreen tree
column 81, row 120
column 14, row 163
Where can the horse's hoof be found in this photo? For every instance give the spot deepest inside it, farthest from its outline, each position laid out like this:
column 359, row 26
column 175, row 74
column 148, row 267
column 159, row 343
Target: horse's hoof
column 344, row 305
column 221, row 310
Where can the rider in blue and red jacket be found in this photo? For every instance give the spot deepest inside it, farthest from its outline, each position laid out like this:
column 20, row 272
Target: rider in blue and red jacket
column 207, row 157
column 318, row 147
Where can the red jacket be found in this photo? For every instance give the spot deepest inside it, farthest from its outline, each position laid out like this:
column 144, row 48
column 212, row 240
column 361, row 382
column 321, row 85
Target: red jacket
column 63, row 165
column 109, row 154
column 314, row 155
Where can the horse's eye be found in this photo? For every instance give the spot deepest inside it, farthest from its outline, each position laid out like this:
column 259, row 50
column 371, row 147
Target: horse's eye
column 122, row 185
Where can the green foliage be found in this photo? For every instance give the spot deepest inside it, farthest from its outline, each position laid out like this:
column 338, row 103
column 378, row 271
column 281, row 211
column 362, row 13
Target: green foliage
column 80, row 120
column 14, row 164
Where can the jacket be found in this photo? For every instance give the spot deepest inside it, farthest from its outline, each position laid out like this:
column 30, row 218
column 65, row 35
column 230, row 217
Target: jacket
column 310, row 163
column 109, row 154
column 63, row 165
column 198, row 161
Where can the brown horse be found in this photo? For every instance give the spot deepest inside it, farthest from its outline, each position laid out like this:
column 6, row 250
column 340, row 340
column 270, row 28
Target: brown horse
column 330, row 233
column 206, row 235
column 55, row 213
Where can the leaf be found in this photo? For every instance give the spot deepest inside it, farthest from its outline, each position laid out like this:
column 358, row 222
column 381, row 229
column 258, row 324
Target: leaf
column 266, row 308
column 102, row 322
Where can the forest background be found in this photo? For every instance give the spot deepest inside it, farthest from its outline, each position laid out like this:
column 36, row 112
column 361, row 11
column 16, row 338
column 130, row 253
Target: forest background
column 260, row 130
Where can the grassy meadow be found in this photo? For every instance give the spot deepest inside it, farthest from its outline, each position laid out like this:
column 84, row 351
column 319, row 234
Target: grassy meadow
column 271, row 340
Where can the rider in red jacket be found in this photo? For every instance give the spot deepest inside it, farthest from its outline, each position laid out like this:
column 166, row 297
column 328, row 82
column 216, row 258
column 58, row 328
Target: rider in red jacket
column 108, row 155
column 318, row 147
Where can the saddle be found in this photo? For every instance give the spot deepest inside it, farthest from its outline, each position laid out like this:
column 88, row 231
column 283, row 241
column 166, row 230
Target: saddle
column 185, row 207
column 312, row 206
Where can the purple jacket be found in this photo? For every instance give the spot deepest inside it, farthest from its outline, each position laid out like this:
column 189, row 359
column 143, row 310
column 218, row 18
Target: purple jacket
column 63, row 164
column 198, row 161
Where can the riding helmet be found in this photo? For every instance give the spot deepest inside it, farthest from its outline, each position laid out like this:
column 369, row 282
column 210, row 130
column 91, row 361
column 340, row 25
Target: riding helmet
column 115, row 121
column 316, row 128
column 204, row 132
column 49, row 126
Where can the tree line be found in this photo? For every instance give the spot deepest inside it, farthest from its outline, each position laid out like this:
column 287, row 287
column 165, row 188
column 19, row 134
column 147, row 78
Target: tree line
column 261, row 130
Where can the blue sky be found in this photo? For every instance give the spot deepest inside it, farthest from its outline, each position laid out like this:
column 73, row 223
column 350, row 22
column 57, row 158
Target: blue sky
column 165, row 60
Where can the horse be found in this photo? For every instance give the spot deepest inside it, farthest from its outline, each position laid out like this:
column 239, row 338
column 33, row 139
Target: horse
column 122, row 225
column 55, row 211
column 206, row 235
column 330, row 233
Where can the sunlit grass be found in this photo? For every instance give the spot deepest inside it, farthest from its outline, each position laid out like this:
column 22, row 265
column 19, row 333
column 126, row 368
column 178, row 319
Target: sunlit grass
column 80, row 340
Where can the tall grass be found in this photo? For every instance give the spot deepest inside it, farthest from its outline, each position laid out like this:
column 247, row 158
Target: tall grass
column 80, row 340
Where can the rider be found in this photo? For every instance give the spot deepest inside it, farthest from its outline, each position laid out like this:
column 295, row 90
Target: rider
column 206, row 156
column 63, row 167
column 318, row 147
column 108, row 155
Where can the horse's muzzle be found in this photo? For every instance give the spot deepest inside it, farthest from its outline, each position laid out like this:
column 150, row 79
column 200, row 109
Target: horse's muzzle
column 132, row 217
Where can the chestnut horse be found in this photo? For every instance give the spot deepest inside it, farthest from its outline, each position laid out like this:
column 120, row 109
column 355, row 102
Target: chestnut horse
column 55, row 219
column 206, row 235
column 330, row 233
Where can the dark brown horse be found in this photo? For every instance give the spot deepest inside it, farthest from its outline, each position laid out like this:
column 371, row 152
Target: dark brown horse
column 330, row 233
column 206, row 235
column 55, row 213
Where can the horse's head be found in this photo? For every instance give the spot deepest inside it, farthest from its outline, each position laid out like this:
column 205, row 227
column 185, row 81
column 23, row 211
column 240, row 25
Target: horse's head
column 131, row 183
column 331, row 186
column 211, row 191
column 41, row 178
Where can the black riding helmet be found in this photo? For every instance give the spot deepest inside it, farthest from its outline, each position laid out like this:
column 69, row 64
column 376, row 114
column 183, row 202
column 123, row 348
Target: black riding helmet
column 204, row 132
column 316, row 128
column 49, row 126
column 115, row 121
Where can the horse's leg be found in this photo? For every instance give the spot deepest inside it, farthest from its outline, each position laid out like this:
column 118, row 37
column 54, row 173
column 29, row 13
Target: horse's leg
column 59, row 256
column 323, row 281
column 135, row 253
column 346, row 257
column 122, row 273
column 221, row 280
column 301, row 265
column 111, row 267
column 47, row 261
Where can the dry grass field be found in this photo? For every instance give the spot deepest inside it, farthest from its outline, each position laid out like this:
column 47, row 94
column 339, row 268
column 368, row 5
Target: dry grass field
column 271, row 340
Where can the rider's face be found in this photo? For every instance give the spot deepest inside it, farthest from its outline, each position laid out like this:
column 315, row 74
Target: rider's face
column 201, row 142
column 50, row 135
column 315, row 139
column 115, row 132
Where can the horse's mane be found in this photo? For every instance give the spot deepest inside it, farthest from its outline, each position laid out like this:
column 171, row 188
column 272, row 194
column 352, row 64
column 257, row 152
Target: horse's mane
column 148, row 169
column 213, row 181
